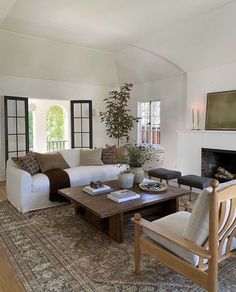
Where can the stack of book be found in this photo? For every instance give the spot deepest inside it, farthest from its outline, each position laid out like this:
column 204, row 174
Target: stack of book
column 123, row 196
column 91, row 191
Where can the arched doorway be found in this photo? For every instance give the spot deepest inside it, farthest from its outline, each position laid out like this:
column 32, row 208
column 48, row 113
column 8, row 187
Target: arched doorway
column 56, row 128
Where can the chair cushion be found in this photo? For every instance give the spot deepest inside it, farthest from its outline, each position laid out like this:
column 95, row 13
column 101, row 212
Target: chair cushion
column 164, row 173
column 195, row 181
column 174, row 223
column 194, row 227
column 197, row 229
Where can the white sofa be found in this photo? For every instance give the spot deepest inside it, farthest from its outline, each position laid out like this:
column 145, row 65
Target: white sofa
column 27, row 193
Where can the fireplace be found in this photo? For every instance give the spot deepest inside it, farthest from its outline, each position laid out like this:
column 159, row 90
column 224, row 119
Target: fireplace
column 219, row 164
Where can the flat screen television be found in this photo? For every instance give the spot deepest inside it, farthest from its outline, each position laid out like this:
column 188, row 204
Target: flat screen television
column 221, row 111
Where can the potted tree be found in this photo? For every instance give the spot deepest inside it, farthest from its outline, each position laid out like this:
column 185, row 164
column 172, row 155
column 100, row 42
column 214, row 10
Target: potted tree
column 116, row 116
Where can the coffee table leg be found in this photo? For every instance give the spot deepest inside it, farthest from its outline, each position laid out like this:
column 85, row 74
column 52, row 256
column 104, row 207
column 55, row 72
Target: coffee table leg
column 170, row 207
column 116, row 227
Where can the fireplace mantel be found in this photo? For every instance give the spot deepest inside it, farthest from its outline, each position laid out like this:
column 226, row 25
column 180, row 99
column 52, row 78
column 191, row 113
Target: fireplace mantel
column 190, row 143
column 207, row 131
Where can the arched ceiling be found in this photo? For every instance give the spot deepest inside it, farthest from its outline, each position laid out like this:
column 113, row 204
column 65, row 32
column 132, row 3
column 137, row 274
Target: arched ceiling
column 148, row 40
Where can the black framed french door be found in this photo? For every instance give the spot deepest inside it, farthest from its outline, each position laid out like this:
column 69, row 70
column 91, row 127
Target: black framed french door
column 16, row 126
column 81, row 124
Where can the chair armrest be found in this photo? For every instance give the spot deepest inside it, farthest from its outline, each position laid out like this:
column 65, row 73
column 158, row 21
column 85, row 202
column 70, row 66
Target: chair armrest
column 181, row 241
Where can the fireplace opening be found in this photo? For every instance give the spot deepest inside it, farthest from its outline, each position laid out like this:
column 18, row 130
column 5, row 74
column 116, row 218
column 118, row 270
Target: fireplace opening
column 219, row 164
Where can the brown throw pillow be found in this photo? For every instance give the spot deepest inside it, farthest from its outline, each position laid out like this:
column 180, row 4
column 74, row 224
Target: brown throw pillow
column 109, row 155
column 28, row 163
column 91, row 156
column 48, row 161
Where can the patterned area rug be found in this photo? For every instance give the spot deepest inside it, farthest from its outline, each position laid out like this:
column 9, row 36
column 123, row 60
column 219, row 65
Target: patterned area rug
column 54, row 250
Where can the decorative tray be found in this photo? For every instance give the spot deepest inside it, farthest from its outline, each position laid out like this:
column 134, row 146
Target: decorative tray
column 153, row 186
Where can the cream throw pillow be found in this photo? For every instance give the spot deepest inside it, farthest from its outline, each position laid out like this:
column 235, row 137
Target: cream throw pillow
column 91, row 156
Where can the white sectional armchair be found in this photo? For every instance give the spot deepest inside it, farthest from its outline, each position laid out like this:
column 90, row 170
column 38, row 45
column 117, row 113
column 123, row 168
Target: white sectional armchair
column 27, row 193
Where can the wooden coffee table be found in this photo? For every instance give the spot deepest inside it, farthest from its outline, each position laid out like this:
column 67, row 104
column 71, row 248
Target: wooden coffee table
column 109, row 216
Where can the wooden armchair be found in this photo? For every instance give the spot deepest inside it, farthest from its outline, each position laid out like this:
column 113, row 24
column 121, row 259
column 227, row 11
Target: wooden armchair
column 188, row 243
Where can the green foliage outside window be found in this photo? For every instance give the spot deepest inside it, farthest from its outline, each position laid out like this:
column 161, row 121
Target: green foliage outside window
column 55, row 124
column 31, row 136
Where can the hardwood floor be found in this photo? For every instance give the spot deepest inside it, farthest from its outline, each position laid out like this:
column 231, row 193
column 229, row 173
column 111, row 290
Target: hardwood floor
column 9, row 281
column 2, row 190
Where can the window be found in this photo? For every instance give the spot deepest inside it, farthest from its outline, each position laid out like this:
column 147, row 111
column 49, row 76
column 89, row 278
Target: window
column 149, row 123
column 81, row 124
column 16, row 126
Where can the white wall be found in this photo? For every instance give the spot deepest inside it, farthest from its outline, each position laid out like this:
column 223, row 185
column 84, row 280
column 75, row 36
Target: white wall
column 172, row 93
column 201, row 82
column 53, row 90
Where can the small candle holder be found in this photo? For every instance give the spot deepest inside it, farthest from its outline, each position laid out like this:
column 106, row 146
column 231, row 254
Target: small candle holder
column 193, row 118
column 198, row 119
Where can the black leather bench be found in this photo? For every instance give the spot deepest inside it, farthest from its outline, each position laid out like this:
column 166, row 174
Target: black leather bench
column 163, row 173
column 194, row 181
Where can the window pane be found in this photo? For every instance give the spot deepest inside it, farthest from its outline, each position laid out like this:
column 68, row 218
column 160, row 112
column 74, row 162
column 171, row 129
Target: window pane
column 85, row 137
column 12, row 143
column 11, row 125
column 77, row 110
column 21, row 126
column 20, row 108
column 11, row 108
column 77, row 140
column 85, row 109
column 21, row 143
column 85, row 125
column 77, row 125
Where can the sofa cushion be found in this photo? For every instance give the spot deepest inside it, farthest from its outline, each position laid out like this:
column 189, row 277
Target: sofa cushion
column 48, row 161
column 91, row 157
column 71, row 156
column 82, row 175
column 174, row 223
column 28, row 163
